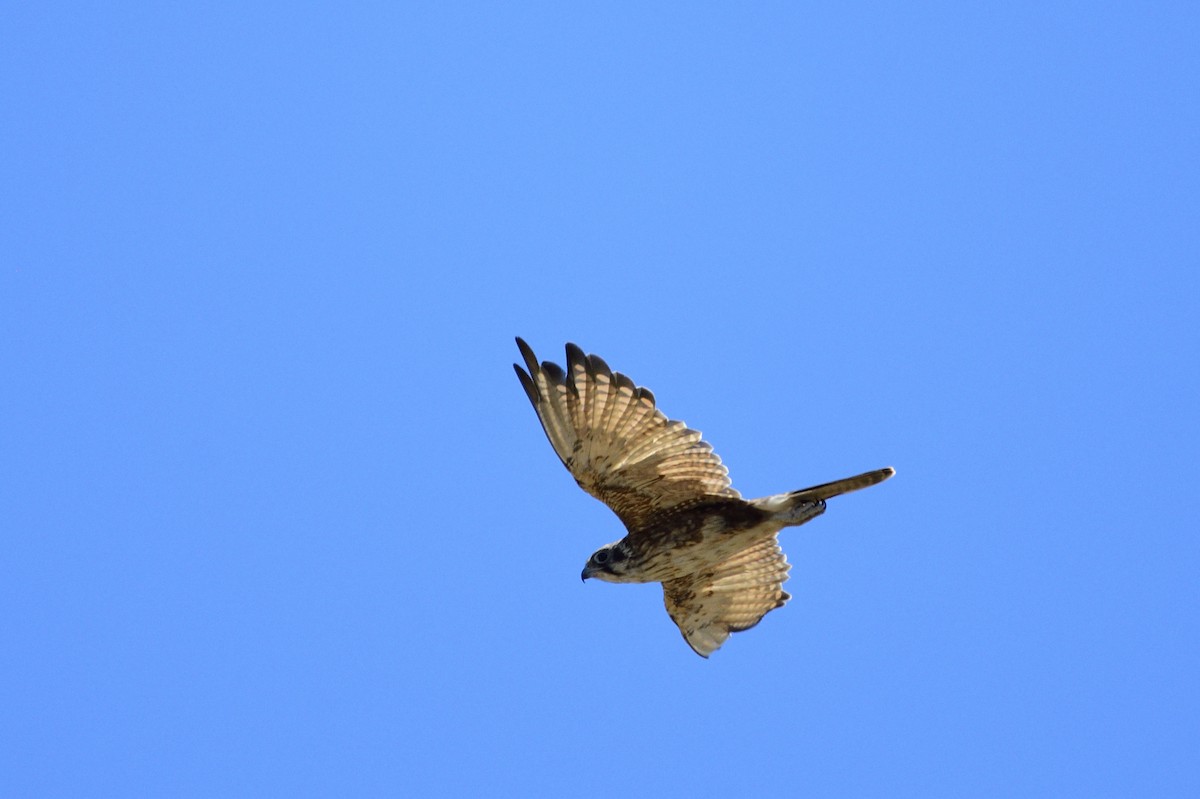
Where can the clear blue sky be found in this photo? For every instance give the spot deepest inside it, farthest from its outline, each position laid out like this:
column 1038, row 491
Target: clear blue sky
column 278, row 520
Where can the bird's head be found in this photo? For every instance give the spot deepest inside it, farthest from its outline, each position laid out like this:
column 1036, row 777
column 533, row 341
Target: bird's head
column 610, row 563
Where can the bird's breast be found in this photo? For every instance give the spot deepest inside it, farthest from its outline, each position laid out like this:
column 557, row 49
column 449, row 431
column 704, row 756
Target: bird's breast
column 694, row 542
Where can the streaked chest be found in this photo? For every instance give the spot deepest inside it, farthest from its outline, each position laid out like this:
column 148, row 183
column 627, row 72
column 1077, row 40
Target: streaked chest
column 689, row 542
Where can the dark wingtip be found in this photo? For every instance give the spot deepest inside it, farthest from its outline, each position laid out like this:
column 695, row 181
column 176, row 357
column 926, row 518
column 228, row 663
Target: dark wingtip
column 527, row 354
column 574, row 354
column 575, row 358
column 527, row 384
column 597, row 366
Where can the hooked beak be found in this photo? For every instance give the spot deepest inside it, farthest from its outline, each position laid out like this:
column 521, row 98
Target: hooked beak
column 587, row 572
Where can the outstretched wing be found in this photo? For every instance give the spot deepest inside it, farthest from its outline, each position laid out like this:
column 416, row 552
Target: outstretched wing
column 619, row 447
column 732, row 596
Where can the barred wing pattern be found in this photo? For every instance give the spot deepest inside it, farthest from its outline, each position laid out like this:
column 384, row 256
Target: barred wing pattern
column 618, row 446
column 732, row 596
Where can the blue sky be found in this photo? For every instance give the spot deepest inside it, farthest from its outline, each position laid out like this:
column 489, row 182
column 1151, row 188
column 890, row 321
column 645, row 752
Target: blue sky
column 279, row 520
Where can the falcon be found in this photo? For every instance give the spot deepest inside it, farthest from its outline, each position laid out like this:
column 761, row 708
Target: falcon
column 717, row 555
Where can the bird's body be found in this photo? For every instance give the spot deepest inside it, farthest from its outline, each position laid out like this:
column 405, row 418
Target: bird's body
column 685, row 541
column 716, row 554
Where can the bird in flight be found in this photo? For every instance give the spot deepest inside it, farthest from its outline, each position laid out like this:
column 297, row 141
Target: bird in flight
column 717, row 555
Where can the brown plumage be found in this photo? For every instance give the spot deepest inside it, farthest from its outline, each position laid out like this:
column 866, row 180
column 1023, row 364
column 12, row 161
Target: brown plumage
column 715, row 553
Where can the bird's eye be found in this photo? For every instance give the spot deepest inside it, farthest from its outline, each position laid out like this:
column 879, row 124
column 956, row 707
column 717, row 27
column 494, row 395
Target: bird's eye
column 601, row 556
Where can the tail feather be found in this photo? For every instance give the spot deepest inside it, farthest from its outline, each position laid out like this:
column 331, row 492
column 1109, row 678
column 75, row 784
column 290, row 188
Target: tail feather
column 845, row 486
column 798, row 507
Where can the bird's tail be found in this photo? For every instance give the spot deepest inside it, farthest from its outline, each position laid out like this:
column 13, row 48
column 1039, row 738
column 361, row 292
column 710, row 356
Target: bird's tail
column 798, row 507
column 845, row 486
